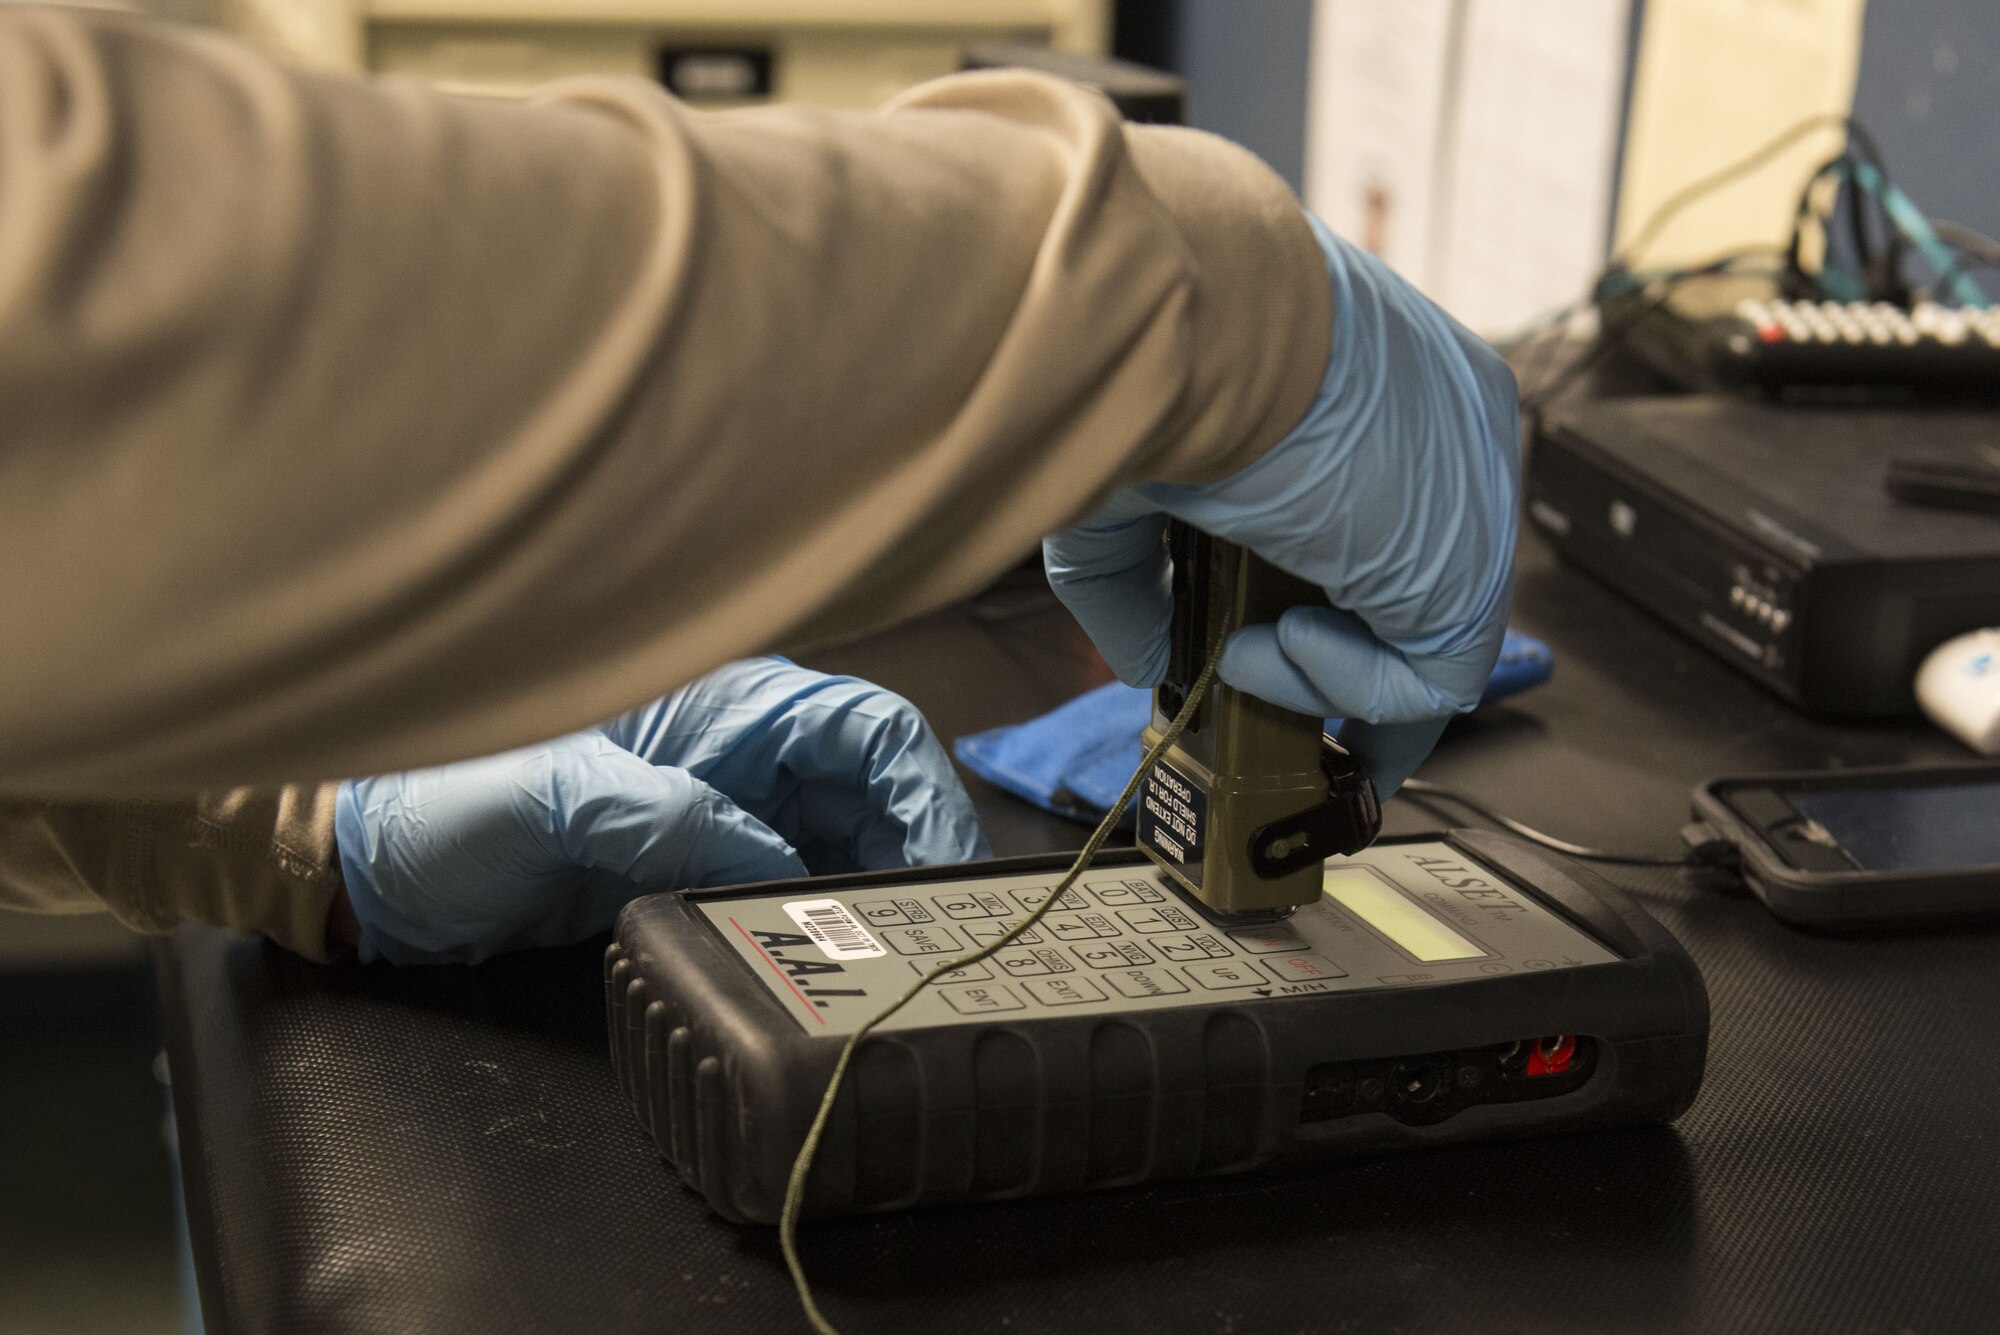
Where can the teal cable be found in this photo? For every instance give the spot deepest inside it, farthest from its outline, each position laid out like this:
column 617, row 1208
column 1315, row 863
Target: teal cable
column 795, row 1189
column 1911, row 222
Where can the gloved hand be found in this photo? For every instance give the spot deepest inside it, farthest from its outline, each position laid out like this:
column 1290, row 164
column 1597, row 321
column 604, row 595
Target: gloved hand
column 1395, row 494
column 758, row 771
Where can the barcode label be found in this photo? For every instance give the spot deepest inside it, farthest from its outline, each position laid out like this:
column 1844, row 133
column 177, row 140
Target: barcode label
column 833, row 929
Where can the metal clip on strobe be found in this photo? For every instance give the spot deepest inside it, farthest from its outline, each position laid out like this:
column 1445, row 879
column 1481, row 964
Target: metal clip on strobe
column 1344, row 824
column 1253, row 797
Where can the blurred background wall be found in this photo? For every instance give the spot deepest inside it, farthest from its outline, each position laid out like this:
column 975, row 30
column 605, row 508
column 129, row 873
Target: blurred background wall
column 1497, row 151
column 1247, row 64
column 1929, row 87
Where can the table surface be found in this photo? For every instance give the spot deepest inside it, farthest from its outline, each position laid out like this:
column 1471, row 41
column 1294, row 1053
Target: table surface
column 372, row 1150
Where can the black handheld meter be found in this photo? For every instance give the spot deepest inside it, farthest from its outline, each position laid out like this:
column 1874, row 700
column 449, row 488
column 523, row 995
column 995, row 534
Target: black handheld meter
column 1465, row 987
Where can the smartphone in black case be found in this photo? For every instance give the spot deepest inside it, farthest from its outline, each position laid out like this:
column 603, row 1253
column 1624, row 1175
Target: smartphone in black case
column 1855, row 849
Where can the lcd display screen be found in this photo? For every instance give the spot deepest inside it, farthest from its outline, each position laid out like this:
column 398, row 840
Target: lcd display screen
column 1930, row 827
column 1409, row 926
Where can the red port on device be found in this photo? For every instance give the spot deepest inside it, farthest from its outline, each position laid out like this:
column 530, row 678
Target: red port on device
column 1552, row 1056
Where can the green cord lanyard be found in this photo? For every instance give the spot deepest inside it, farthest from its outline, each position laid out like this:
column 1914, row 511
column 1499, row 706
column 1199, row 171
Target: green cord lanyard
column 795, row 1189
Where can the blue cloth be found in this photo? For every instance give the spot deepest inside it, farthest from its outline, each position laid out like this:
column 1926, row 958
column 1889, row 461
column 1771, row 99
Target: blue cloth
column 1075, row 759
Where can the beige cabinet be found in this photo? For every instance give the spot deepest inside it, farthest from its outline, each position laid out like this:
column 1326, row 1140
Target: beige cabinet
column 718, row 52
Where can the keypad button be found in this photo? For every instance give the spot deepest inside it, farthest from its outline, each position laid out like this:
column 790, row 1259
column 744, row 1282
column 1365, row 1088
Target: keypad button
column 1225, row 975
column 921, row 940
column 971, row 973
column 1020, row 963
column 1118, row 894
column 1078, row 926
column 882, row 913
column 984, row 1000
column 1035, row 898
column 971, row 904
column 1111, row 954
column 1063, row 991
column 1294, row 968
column 986, row 933
column 1189, row 946
column 1142, row 983
column 1266, row 940
column 893, row 912
column 1033, row 962
column 1177, row 946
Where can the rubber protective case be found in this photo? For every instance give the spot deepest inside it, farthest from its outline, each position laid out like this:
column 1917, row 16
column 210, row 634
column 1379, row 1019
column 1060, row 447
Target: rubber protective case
column 1850, row 900
column 726, row 1081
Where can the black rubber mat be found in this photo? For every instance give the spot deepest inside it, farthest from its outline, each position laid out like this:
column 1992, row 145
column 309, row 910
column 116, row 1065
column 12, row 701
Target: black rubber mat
column 446, row 1150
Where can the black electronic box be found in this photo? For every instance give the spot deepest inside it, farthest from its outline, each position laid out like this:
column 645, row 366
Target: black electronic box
column 1725, row 331
column 1765, row 532
column 1444, row 989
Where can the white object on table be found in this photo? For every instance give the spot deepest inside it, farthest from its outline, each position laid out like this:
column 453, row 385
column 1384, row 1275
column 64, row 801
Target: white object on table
column 1959, row 688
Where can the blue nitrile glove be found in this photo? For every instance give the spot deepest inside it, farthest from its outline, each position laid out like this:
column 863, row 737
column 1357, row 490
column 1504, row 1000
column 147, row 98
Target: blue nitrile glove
column 1395, row 494
column 758, row 771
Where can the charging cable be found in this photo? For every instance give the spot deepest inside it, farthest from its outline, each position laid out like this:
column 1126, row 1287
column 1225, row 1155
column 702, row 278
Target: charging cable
column 1710, row 851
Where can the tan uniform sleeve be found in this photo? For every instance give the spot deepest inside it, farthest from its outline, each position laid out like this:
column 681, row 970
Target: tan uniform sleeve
column 346, row 427
column 253, row 861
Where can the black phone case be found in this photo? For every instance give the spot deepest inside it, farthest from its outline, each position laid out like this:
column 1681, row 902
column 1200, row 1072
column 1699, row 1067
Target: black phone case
column 1849, row 900
column 726, row 1081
